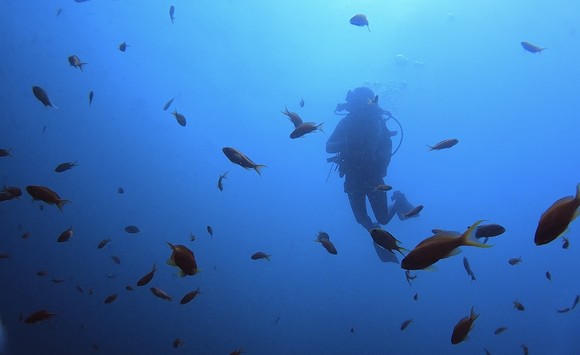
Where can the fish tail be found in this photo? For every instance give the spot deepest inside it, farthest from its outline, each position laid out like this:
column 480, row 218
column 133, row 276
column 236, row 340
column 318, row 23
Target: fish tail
column 319, row 127
column 60, row 204
column 368, row 28
column 577, row 188
column 170, row 245
column 259, row 167
column 268, row 257
column 465, row 237
column 472, row 315
column 430, row 147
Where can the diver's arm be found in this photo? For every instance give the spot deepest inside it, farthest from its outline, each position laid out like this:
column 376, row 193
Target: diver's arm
column 336, row 142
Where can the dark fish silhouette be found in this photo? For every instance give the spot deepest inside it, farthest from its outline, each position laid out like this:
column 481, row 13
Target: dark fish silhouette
column 532, row 48
column 360, row 20
column 91, row 94
column 42, row 96
column 171, row 13
column 168, row 104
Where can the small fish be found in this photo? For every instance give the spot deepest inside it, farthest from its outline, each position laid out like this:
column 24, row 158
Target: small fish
column 91, row 94
column 576, row 300
column 444, row 144
column 161, row 294
column 219, row 183
column 57, row 281
column 352, row 330
column 76, row 62
column 383, row 187
column 468, row 268
column 39, row 316
column 237, row 157
column 168, row 104
column 5, row 152
column 45, row 194
column 129, row 288
column 293, row 117
column 532, row 48
column 565, row 243
column 103, row 242
column 260, row 255
column 10, row 193
column 131, row 229
column 62, row 167
column 110, row 299
column 305, row 128
column 524, row 349
column 192, row 237
column 519, row 306
column 548, row 276
column 415, row 297
column 406, row 324
column 148, row 277
column 4, row 256
column 65, row 236
column 25, row 235
column 555, row 221
column 409, row 277
column 171, row 13
column 80, row 289
column 515, row 261
column 59, row 11
column 487, row 352
column 324, row 239
column 210, row 231
column 183, row 258
column 301, row 103
column 123, row 46
column 190, row 296
column 500, row 330
column 563, row 310
column 177, row 342
column 463, row 327
column 120, row 190
column 236, row 352
column 386, row 240
column 414, row 212
column 116, row 259
column 489, row 230
column 42, row 96
column 41, row 273
column 180, row 118
column 360, row 20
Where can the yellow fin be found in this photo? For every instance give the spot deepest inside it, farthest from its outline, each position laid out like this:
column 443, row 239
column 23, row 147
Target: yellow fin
column 171, row 262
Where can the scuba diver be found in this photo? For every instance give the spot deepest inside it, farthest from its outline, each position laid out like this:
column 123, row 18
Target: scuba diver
column 363, row 147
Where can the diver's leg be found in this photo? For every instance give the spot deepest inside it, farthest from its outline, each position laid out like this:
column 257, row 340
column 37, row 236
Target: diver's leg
column 401, row 205
column 358, row 205
column 378, row 200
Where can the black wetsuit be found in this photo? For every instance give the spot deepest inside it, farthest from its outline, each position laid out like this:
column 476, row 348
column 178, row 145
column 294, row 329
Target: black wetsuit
column 363, row 143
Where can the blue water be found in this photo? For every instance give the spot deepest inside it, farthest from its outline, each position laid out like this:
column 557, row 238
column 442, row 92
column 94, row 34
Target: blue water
column 445, row 69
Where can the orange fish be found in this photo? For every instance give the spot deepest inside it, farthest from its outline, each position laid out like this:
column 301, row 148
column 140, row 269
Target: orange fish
column 39, row 316
column 110, row 299
column 554, row 222
column 293, row 117
column 324, row 239
column 463, row 327
column 447, row 143
column 65, row 236
column 305, row 128
column 160, row 293
column 147, row 278
column 184, row 259
column 237, row 157
column 45, row 194
column 386, row 240
column 177, row 342
column 103, row 242
column 190, row 296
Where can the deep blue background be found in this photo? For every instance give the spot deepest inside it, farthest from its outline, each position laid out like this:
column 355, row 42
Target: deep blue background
column 444, row 69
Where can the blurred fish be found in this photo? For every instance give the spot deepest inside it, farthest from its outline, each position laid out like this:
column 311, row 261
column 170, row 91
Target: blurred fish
column 565, row 243
column 129, row 288
column 80, row 289
column 91, row 94
column 463, row 327
column 192, row 237
column 131, row 229
column 515, row 261
column 120, row 190
column 42, row 96
column 10, row 193
column 468, row 268
column 57, row 281
column 324, row 239
column 161, row 294
column 25, row 235
column 239, row 158
column 532, row 48
column 190, row 296
column 488, row 230
column 293, row 117
column 554, row 222
column 519, row 306
column 219, row 183
column 39, row 316
column 444, row 144
column 62, row 167
column 435, row 248
column 41, row 273
column 180, row 118
column 409, row 277
column 301, row 103
column 548, row 276
column 305, row 128
column 383, row 187
column 148, row 277
column 42, row 193
column 177, row 342
column 59, row 11
column 360, row 20
column 386, row 240
column 168, row 104
column 563, row 310
column 116, row 259
column 500, row 330
column 183, row 258
column 103, row 242
column 414, row 212
column 236, row 352
column 576, row 300
column 4, row 256
column 123, row 46
column 171, row 13
column 260, row 255
column 110, row 299
column 74, row 61
column 65, row 236
column 210, row 231
column 486, row 351
column 524, row 349
column 415, row 296
column 5, row 152
column 406, row 324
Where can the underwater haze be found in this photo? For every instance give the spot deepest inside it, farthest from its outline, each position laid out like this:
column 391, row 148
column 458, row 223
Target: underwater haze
column 444, row 69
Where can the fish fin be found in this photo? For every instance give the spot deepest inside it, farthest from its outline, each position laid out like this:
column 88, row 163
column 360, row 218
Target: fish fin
column 453, row 252
column 60, row 204
column 467, row 234
column 431, row 268
column 171, row 262
column 259, row 167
